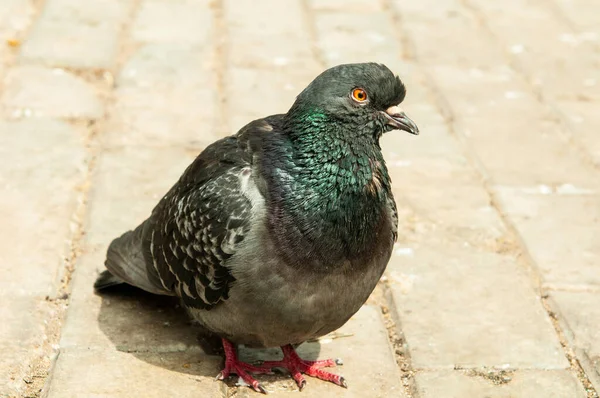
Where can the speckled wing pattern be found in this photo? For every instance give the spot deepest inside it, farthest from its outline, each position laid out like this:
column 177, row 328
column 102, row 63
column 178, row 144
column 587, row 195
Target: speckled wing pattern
column 393, row 214
column 198, row 225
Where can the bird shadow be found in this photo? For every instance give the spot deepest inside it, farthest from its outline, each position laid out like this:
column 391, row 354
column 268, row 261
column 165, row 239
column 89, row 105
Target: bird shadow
column 157, row 330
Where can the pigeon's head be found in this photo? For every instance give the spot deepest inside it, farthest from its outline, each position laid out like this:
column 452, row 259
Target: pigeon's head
column 363, row 99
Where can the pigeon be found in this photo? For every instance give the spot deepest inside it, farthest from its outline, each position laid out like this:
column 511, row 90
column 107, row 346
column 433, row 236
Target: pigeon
column 278, row 234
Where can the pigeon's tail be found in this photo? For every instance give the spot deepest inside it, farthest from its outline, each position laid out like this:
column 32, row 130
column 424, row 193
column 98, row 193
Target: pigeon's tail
column 106, row 280
column 126, row 264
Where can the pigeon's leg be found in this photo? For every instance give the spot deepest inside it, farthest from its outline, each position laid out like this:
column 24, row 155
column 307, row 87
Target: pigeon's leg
column 233, row 365
column 296, row 366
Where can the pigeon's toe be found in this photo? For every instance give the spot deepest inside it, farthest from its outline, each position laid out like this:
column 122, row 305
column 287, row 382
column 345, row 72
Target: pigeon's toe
column 234, row 366
column 298, row 367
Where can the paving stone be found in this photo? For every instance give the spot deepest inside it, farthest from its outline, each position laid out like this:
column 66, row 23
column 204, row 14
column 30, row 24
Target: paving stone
column 75, row 34
column 288, row 48
column 581, row 311
column 20, row 330
column 15, row 17
column 165, row 95
column 435, row 141
column 43, row 92
column 95, row 374
column 453, row 21
column 578, row 13
column 459, row 213
column 155, row 22
column 125, row 319
column 480, row 87
column 557, row 59
column 584, row 120
column 42, row 164
column 243, row 83
column 539, row 158
column 127, row 184
column 417, row 11
column 530, row 384
column 485, row 90
column 439, row 186
column 560, row 227
column 369, row 364
column 560, row 62
column 461, row 307
column 533, row 132
column 281, row 66
column 352, row 37
column 346, row 5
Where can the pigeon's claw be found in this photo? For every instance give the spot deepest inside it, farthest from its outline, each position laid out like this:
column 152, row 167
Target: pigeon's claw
column 297, row 366
column 242, row 369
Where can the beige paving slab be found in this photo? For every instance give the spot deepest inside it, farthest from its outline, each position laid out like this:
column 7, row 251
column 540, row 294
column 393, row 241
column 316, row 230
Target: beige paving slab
column 485, row 90
column 288, row 48
column 529, row 149
column 20, row 325
column 444, row 193
column 452, row 21
column 281, row 66
column 345, row 6
column 15, row 17
column 345, row 37
column 282, row 87
column 461, row 307
column 127, row 183
column 581, row 312
column 42, row 165
column 578, row 13
column 166, row 95
column 436, row 141
column 529, row 384
column 94, row 374
column 485, row 94
column 583, row 118
column 560, row 229
column 21, row 333
column 558, row 60
column 44, row 92
column 433, row 180
column 75, row 34
column 369, row 364
column 180, row 21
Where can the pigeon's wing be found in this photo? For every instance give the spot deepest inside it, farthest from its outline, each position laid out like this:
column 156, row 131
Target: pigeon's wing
column 202, row 220
column 391, row 204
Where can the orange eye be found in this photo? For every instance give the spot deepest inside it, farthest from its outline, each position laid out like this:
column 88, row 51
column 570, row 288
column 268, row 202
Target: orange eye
column 359, row 95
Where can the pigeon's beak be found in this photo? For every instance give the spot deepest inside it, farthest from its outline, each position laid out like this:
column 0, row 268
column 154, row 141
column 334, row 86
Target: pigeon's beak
column 397, row 119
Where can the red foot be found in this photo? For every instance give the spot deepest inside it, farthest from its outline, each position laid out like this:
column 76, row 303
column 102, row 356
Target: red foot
column 291, row 361
column 233, row 365
column 296, row 366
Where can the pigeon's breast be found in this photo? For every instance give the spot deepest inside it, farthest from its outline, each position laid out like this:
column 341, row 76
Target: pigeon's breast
column 273, row 302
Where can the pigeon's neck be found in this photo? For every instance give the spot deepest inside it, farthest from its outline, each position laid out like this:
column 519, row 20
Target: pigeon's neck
column 333, row 159
column 331, row 190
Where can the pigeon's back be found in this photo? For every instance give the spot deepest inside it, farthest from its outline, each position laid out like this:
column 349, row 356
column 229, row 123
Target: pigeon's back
column 182, row 248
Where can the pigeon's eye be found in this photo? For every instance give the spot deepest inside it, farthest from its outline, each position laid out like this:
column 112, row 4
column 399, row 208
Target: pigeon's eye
column 359, row 95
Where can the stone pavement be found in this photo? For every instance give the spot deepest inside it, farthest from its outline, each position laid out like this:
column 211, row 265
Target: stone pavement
column 494, row 286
